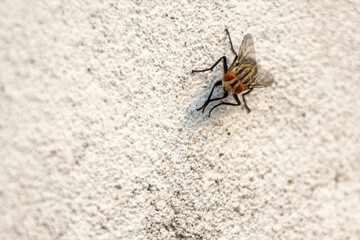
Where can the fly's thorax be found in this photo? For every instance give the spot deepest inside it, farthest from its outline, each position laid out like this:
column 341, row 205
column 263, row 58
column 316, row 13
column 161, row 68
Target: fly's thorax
column 245, row 73
column 232, row 84
column 244, row 70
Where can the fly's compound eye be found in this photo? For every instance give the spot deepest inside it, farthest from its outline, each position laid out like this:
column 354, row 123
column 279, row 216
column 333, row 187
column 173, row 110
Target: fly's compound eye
column 239, row 89
column 229, row 76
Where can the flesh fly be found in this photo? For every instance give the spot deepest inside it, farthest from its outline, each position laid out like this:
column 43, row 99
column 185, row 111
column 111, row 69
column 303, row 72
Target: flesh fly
column 242, row 77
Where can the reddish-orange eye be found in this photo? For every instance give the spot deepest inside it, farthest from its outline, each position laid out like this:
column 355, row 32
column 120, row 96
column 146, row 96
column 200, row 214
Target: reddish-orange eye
column 229, row 76
column 239, row 89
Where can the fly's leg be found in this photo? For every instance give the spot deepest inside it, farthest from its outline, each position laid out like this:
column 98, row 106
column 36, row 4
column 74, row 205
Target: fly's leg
column 243, row 97
column 212, row 67
column 209, row 98
column 238, row 103
column 232, row 48
column 214, row 99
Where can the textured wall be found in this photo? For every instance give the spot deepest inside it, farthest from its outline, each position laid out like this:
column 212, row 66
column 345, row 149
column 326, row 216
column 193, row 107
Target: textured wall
column 99, row 137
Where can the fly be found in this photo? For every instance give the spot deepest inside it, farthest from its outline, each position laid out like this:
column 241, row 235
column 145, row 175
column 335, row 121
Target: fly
column 242, row 77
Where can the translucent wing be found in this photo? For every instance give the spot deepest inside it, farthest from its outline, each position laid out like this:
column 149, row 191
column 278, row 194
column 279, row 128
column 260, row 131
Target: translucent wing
column 247, row 50
column 262, row 78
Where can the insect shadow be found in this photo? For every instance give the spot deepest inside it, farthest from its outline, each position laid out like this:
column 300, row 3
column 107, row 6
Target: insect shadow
column 196, row 120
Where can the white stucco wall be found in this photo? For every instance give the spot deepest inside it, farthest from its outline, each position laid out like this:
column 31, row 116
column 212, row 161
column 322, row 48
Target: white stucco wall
column 99, row 138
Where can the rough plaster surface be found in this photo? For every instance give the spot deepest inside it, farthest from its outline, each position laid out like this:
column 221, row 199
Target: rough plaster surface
column 99, row 138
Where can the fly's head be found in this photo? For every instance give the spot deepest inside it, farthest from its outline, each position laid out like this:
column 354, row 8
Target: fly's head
column 231, row 84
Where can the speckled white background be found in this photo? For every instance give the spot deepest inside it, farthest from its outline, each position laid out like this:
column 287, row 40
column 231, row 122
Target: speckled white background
column 99, row 138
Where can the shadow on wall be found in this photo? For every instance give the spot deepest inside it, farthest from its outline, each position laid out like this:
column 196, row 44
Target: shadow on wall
column 196, row 120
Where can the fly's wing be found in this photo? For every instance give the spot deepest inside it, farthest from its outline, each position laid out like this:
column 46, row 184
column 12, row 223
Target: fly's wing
column 262, row 78
column 247, row 50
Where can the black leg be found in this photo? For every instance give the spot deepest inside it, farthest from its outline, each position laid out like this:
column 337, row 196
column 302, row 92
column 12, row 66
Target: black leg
column 212, row 67
column 214, row 99
column 247, row 108
column 212, row 90
column 238, row 103
column 232, row 48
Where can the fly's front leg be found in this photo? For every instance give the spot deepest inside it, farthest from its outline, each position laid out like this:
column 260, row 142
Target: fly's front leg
column 238, row 103
column 243, row 97
column 212, row 67
column 214, row 99
column 208, row 100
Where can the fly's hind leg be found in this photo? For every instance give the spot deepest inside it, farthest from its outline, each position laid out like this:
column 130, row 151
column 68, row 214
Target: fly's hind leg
column 212, row 67
column 238, row 103
column 243, row 97
column 232, row 48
